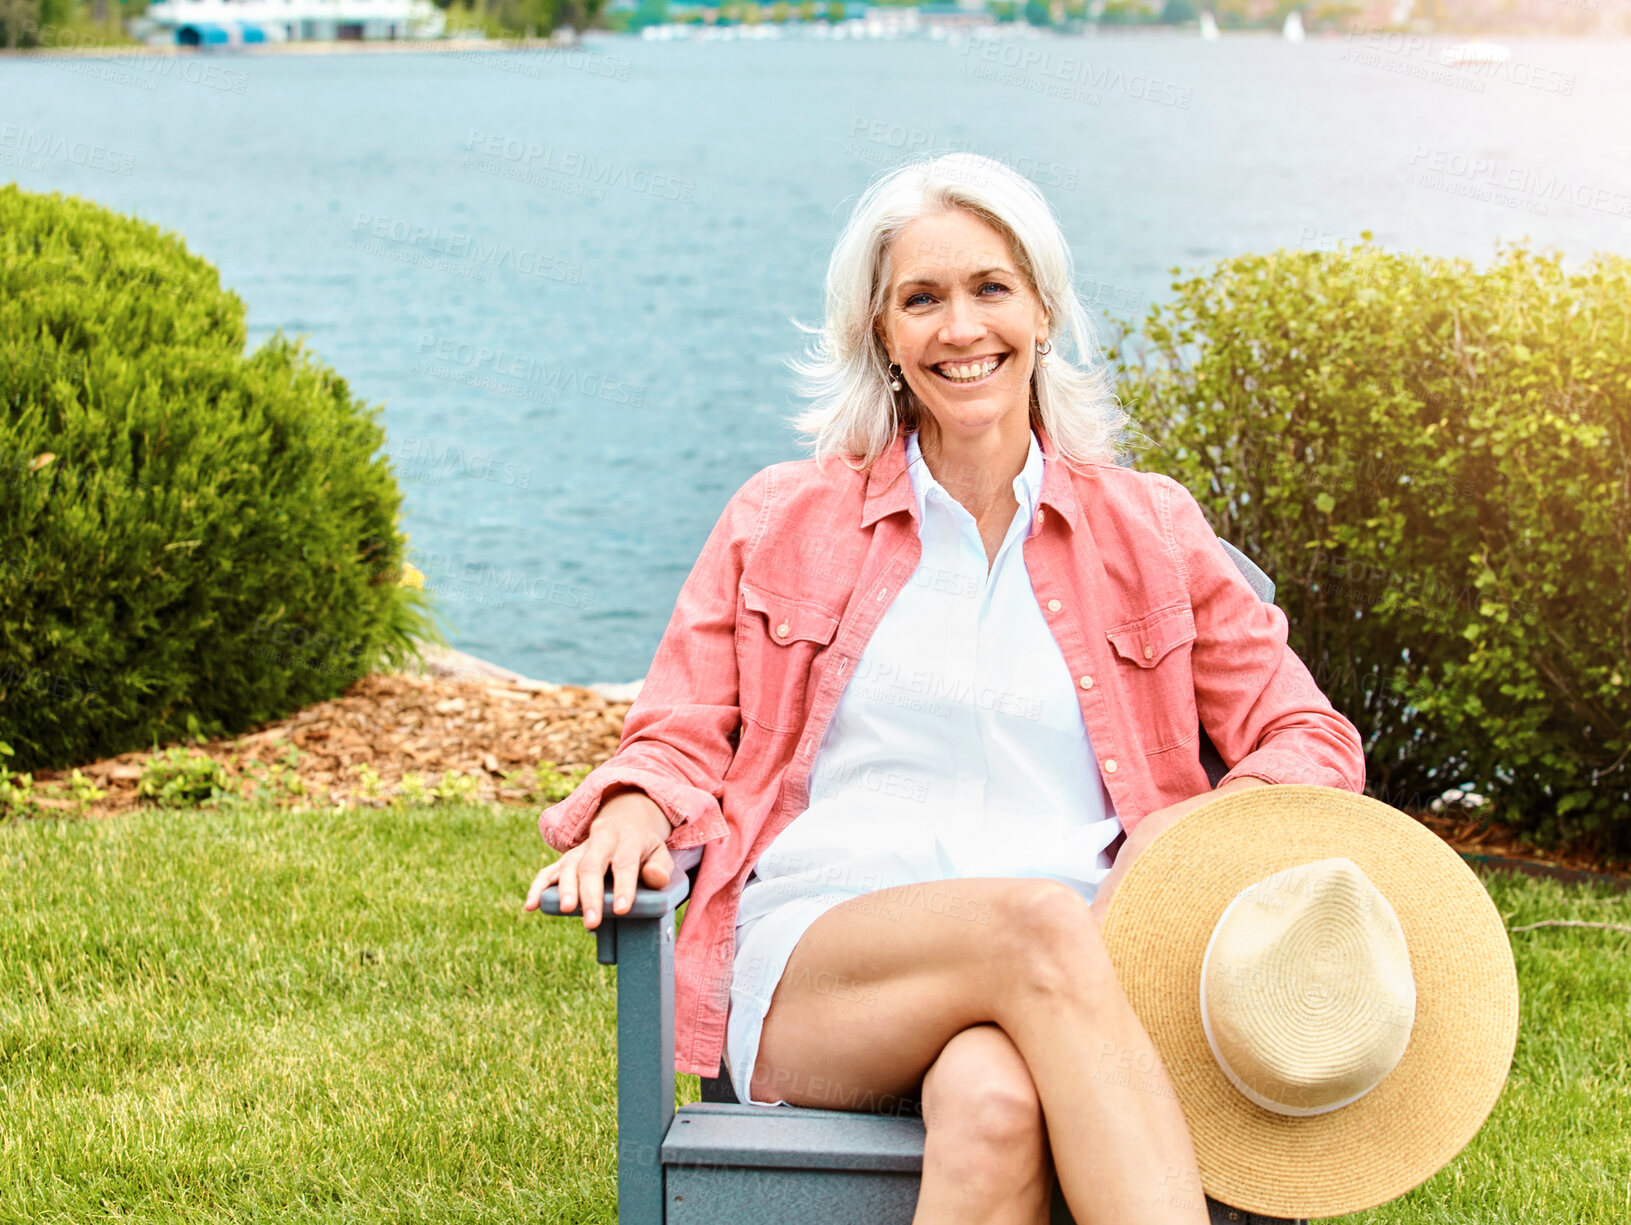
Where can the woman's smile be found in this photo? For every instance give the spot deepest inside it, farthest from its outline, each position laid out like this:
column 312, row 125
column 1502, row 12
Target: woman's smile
column 967, row 372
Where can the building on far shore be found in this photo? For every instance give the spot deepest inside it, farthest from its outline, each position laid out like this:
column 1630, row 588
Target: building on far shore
column 225, row 23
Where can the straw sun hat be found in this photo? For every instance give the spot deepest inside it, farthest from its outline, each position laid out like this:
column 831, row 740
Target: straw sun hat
column 1330, row 989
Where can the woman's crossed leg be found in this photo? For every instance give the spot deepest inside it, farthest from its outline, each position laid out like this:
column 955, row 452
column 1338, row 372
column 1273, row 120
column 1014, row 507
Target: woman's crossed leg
column 997, row 996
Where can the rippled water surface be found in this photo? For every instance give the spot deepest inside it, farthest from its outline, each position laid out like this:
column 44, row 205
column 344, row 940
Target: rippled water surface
column 570, row 280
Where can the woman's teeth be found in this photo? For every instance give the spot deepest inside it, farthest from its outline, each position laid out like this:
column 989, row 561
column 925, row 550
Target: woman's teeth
column 967, row 372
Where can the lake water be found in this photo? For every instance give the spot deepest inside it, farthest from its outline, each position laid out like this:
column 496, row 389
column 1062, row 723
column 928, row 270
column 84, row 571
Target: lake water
column 570, row 278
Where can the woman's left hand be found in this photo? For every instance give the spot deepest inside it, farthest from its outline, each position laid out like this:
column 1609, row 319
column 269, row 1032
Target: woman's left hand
column 1146, row 831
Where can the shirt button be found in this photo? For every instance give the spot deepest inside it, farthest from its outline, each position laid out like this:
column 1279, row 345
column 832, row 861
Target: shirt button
column 1149, row 652
column 782, row 630
column 1087, row 682
column 1109, row 765
column 1054, row 605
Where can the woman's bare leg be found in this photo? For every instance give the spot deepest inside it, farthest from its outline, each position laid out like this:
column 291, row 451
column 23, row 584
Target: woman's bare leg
column 985, row 1155
column 879, row 985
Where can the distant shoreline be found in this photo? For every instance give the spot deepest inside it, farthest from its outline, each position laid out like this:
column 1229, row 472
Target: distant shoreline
column 447, row 45
column 302, row 47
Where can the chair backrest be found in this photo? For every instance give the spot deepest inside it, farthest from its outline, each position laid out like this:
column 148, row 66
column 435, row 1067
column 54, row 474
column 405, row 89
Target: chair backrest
column 1261, row 583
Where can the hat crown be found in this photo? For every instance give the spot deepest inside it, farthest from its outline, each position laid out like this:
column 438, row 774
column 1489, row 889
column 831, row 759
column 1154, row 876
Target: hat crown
column 1307, row 996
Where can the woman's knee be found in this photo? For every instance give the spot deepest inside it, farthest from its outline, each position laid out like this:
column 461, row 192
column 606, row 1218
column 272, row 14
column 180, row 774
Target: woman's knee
column 1048, row 939
column 980, row 1102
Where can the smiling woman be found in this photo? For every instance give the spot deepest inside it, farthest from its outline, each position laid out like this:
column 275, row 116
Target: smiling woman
column 923, row 699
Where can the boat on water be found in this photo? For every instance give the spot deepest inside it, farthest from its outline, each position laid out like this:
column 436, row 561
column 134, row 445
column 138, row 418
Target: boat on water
column 242, row 23
column 1209, row 26
column 1293, row 31
column 1463, row 55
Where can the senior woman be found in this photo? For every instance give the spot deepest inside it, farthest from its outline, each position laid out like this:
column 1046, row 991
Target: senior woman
column 923, row 698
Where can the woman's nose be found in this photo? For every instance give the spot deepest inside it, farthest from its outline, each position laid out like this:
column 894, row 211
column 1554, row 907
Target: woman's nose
column 962, row 326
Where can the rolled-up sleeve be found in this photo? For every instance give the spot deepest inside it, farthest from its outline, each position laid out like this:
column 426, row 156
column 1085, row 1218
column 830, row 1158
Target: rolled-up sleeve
column 677, row 735
column 1256, row 698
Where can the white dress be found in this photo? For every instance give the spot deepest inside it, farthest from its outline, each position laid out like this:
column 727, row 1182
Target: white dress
column 957, row 749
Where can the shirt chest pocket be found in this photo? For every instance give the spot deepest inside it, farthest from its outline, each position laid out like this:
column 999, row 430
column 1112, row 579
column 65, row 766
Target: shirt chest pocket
column 777, row 641
column 1153, row 656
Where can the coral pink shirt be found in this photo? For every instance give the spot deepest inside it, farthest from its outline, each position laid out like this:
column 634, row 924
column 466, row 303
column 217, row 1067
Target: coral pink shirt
column 1154, row 620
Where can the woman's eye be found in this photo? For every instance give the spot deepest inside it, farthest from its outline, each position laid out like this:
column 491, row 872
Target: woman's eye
column 998, row 286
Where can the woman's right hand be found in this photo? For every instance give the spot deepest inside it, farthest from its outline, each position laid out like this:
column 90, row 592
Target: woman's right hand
column 627, row 833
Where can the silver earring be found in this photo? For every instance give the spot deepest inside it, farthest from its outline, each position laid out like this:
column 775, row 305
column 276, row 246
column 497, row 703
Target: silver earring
column 894, row 377
column 1043, row 348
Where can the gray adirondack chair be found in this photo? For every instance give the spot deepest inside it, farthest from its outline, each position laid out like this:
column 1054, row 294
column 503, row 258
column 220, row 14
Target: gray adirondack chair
column 718, row 1162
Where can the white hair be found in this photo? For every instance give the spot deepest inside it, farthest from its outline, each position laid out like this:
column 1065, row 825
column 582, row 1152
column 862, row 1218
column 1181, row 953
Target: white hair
column 844, row 372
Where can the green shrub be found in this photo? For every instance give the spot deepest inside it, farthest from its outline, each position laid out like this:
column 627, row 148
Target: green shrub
column 1432, row 462
column 188, row 531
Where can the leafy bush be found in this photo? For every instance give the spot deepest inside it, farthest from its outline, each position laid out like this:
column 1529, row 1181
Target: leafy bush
column 188, row 531
column 1434, row 463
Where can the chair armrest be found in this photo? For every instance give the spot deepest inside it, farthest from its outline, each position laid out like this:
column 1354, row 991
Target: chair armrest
column 648, row 904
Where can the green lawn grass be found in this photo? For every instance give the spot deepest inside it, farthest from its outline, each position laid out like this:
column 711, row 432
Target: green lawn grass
column 254, row 1014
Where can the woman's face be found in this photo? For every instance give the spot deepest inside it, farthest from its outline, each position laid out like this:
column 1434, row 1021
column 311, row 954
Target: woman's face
column 962, row 322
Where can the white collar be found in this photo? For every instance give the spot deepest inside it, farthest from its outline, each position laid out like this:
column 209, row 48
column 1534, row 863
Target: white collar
column 1027, row 485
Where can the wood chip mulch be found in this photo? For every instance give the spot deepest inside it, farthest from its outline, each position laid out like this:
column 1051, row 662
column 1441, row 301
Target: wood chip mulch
column 488, row 734
column 1469, row 835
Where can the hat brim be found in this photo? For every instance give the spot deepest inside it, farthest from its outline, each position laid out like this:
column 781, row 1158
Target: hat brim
column 1437, row 1096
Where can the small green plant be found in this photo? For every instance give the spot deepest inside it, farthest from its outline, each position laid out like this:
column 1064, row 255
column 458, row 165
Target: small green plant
column 456, row 788
column 276, row 781
column 553, row 784
column 287, row 782
column 370, row 780
column 85, row 790
column 16, row 790
column 546, row 781
column 182, row 778
column 412, row 789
